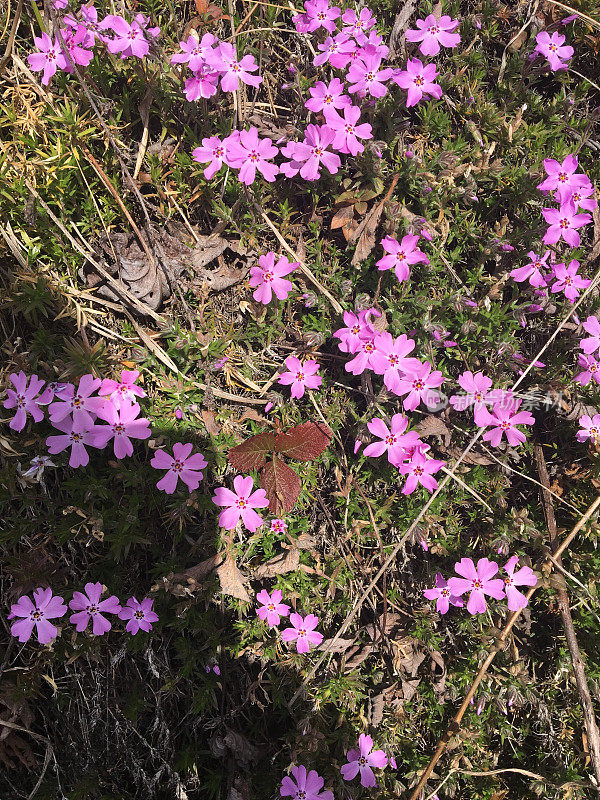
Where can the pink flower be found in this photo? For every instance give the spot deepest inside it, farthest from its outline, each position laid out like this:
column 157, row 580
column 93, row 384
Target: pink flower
column 568, row 281
column 320, row 15
column 390, row 359
column 250, row 154
column 300, row 375
column 532, row 270
column 364, row 356
column 130, row 39
column 420, row 470
column 419, row 81
column 362, row 760
column 365, row 75
column 336, row 50
column 478, row 392
column 203, row 83
column 356, row 26
column 503, row 419
column 478, row 581
column 417, row 384
column 49, row 58
column 562, row 175
column 89, row 607
column 303, row 632
column 591, row 370
column 194, row 52
column 564, row 222
column 347, row 132
column 442, row 595
column 180, row 465
column 89, row 15
column 308, row 156
column 269, row 277
column 592, row 343
column 394, row 441
column 79, row 403
column 554, row 49
column 26, row 399
column 43, row 608
column 78, row 43
column 73, row 437
column 401, row 255
column 240, row 503
column 278, row 526
column 359, row 328
column 213, row 150
column 140, row 615
column 579, row 196
column 271, row 608
column 590, row 428
column 124, row 424
column 522, row 577
column 123, row 391
column 224, row 60
column 307, row 786
column 327, row 95
column 432, row 33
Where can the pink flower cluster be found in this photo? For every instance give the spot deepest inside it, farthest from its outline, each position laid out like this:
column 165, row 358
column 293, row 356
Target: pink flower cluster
column 591, row 352
column 209, row 61
column 302, row 632
column 45, row 606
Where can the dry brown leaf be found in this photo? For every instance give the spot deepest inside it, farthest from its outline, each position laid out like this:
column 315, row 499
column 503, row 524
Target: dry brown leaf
column 365, row 234
column 279, row 565
column 210, row 422
column 409, row 688
column 339, row 646
column 232, row 580
column 434, row 426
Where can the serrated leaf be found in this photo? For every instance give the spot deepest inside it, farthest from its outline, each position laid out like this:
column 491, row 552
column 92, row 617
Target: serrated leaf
column 281, row 484
column 252, row 454
column 304, row 442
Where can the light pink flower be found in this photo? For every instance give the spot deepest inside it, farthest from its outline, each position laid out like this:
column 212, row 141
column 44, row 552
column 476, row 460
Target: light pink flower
column 478, row 394
column 129, row 39
column 563, row 223
column 419, row 384
column 478, row 581
column 213, row 150
column 432, row 33
column 568, row 281
column 278, row 526
column 250, row 154
column 533, row 270
column 89, row 607
column 140, row 615
column 181, row 465
column 390, row 359
column 308, row 156
column 522, row 577
column 419, row 80
column 365, row 74
column 419, row 471
column 271, row 608
column 268, row 276
column 562, row 175
column 589, row 429
column 321, row 15
column 123, row 425
column 300, row 376
column 337, row 50
column 224, row 60
column 591, row 370
column 37, row 613
column 194, row 52
column 503, row 419
column 78, row 402
column 26, row 399
column 442, row 595
column 554, row 49
column 395, row 441
column 357, row 25
column 49, row 58
column 240, row 503
column 347, row 132
column 363, row 759
column 327, row 95
column 401, row 255
column 125, row 390
column 307, row 785
column 74, row 438
column 592, row 343
column 303, row 632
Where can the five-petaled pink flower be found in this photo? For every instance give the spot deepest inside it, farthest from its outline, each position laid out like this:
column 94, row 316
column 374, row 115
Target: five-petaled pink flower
column 504, row 417
column 347, row 132
column 442, row 595
column 562, row 175
column 591, row 369
column 320, row 15
column 140, row 615
column 418, row 385
column 554, row 49
column 478, row 581
column 327, row 95
column 214, row 151
column 77, row 43
column 365, row 74
column 271, row 609
column 240, row 503
column 308, row 156
column 589, row 429
column 394, row 441
column 568, row 281
column 357, row 25
column 224, row 60
column 303, row 632
column 202, row 83
column 591, row 343
column 300, row 376
column 74, row 437
column 362, row 759
column 390, row 359
column 124, row 424
column 477, row 388
column 419, row 80
column 182, row 464
column 337, row 50
column 522, row 577
column 532, row 271
column 358, row 329
column 269, row 277
column 129, row 39
column 194, row 52
column 307, row 785
column 49, row 58
column 401, row 255
column 89, row 607
column 420, row 470
column 78, row 402
column 432, row 33
column 37, row 613
column 563, row 223
column 25, row 399
column 125, row 390
column 250, row 154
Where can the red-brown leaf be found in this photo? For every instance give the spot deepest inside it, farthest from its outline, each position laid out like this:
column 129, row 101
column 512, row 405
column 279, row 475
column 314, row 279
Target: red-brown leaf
column 252, row 454
column 304, row 442
column 281, row 484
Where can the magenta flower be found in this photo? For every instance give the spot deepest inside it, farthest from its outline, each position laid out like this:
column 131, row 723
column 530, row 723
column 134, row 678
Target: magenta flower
column 240, row 503
column 250, row 154
column 213, row 150
column 358, row 329
column 478, row 581
column 591, row 370
column 589, row 428
column 579, row 196
column 568, row 281
column 563, row 223
column 278, row 526
column 308, row 156
column 269, row 277
column 418, row 384
column 420, row 471
column 357, row 25
column 362, row 760
column 224, row 60
column 79, row 403
column 418, row 80
column 554, row 49
column 49, row 58
column 522, row 577
column 327, row 95
column 442, row 595
column 89, row 607
column 320, row 15
column 123, row 391
column 390, row 359
column 401, row 255
column 337, row 50
column 194, row 52
column 26, row 399
column 37, row 613
column 180, row 465
column 307, row 786
column 364, row 356
column 347, row 132
column 395, row 441
column 532, row 271
column 300, row 376
column 365, row 75
column 74, row 438
column 271, row 608
column 89, row 15
column 129, row 39
column 592, row 343
column 432, row 33
column 503, row 419
column 78, row 43
column 203, row 83
column 562, row 175
column 140, row 615
column 124, row 424
column 303, row 632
